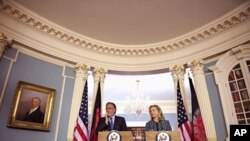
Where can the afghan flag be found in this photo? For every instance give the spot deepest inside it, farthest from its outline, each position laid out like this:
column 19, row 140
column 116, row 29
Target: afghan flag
column 198, row 130
column 96, row 114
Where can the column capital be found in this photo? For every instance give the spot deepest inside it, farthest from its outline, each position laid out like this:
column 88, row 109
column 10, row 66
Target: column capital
column 178, row 71
column 196, row 66
column 3, row 38
column 81, row 70
column 4, row 43
column 99, row 74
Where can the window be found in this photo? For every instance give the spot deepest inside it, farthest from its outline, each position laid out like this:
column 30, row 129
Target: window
column 134, row 93
column 240, row 94
column 232, row 76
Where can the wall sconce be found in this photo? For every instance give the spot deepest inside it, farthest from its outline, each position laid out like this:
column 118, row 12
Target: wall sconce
column 4, row 44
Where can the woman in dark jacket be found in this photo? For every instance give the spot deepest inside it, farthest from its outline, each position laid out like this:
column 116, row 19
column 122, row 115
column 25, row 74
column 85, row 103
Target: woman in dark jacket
column 157, row 122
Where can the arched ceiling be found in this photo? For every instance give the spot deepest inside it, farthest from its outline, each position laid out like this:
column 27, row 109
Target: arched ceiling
column 134, row 36
column 131, row 22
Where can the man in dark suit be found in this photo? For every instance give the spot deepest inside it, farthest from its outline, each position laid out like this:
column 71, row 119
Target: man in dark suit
column 111, row 121
column 35, row 114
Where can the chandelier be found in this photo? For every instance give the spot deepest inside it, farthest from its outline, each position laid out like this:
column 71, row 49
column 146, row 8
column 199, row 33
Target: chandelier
column 137, row 102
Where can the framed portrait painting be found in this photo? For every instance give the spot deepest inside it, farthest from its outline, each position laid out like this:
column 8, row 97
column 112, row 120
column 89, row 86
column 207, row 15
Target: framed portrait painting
column 32, row 107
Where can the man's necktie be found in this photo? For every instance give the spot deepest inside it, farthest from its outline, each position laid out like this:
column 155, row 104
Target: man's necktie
column 111, row 123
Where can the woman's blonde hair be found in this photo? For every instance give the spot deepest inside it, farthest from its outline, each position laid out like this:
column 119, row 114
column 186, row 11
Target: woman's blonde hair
column 161, row 116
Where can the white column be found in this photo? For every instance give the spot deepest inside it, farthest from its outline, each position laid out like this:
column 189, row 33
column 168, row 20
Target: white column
column 99, row 75
column 178, row 72
column 80, row 80
column 203, row 98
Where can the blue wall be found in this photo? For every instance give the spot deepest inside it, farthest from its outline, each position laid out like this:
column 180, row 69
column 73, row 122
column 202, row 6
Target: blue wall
column 217, row 110
column 29, row 69
column 26, row 68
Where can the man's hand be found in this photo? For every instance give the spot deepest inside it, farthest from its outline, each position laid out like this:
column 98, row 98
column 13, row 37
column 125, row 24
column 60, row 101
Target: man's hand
column 107, row 119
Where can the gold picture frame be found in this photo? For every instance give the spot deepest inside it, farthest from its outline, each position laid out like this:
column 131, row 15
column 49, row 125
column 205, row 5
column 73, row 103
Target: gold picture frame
column 29, row 95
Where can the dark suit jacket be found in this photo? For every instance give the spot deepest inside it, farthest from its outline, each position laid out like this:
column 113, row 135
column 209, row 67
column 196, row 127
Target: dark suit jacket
column 119, row 125
column 36, row 116
column 158, row 126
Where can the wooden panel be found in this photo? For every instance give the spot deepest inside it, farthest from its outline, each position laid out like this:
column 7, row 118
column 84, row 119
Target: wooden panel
column 174, row 135
column 126, row 135
column 138, row 133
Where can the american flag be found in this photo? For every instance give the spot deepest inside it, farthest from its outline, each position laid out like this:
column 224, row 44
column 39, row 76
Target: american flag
column 81, row 129
column 183, row 123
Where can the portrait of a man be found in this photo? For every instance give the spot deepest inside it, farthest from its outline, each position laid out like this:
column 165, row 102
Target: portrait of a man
column 34, row 114
column 32, row 107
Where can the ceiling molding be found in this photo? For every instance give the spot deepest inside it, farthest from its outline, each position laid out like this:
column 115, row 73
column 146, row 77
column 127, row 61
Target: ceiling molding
column 223, row 24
